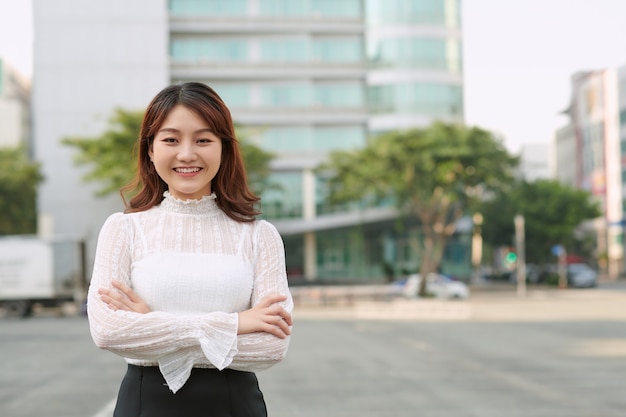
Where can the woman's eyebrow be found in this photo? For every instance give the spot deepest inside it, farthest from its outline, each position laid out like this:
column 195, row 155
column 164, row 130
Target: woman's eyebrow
column 174, row 130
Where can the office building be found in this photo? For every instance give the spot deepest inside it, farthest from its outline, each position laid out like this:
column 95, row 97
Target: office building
column 595, row 142
column 302, row 78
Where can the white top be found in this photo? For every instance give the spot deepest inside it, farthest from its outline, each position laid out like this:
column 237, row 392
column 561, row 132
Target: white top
column 196, row 268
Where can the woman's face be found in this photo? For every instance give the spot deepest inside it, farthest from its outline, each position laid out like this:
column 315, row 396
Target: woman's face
column 186, row 154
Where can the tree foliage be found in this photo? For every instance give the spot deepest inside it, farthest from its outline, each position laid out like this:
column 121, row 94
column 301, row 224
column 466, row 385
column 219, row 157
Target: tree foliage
column 552, row 212
column 112, row 158
column 431, row 173
column 19, row 178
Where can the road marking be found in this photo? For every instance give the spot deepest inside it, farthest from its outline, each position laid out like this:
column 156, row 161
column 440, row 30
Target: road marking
column 107, row 411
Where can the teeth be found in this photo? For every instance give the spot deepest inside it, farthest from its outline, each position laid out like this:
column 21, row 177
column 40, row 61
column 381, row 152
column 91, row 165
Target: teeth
column 186, row 170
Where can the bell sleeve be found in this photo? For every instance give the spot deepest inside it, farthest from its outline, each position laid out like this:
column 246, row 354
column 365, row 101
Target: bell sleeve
column 258, row 351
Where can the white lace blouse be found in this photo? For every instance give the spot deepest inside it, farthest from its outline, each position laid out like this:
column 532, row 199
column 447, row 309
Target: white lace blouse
column 196, row 268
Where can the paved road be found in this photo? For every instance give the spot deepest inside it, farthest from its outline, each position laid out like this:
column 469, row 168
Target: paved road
column 346, row 367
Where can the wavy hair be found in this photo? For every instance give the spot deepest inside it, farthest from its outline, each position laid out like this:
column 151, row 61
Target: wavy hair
column 230, row 184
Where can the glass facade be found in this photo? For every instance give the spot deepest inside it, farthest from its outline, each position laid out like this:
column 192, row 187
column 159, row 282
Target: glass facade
column 269, row 95
column 274, row 8
column 196, row 49
column 424, row 98
column 434, row 12
column 208, row 8
column 316, row 139
column 415, row 52
column 327, row 8
column 310, row 82
column 284, row 199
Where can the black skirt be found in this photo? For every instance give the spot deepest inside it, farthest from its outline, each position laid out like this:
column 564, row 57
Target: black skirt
column 207, row 393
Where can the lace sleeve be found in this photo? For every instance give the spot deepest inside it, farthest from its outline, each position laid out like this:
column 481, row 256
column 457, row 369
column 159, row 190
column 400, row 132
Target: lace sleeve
column 157, row 336
column 258, row 351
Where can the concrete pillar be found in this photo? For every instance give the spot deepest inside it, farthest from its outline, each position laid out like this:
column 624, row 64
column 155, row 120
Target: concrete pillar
column 308, row 214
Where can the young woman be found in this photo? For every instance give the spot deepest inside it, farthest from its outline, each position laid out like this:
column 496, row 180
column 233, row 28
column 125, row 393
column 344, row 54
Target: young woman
column 187, row 285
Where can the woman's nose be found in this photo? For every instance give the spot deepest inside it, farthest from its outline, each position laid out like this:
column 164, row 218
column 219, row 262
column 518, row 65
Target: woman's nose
column 186, row 152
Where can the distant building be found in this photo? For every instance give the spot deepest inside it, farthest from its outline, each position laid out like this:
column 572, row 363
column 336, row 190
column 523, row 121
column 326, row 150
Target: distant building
column 591, row 153
column 14, row 108
column 302, row 77
column 535, row 162
column 564, row 169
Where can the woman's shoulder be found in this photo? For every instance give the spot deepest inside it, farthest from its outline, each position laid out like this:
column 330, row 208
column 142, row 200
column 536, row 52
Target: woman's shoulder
column 124, row 219
column 263, row 229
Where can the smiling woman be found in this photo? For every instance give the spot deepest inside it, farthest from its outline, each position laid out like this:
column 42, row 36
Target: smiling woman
column 187, row 285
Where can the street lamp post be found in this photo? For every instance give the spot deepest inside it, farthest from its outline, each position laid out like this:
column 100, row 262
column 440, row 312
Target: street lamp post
column 521, row 255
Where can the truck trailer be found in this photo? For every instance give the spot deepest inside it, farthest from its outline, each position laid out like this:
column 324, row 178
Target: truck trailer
column 36, row 271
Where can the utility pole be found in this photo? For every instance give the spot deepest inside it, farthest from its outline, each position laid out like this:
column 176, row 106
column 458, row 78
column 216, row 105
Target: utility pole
column 477, row 247
column 520, row 243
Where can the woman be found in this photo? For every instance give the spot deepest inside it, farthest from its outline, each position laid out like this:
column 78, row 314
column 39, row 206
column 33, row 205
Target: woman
column 187, row 285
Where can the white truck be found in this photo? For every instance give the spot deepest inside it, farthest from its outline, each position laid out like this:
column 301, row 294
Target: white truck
column 45, row 272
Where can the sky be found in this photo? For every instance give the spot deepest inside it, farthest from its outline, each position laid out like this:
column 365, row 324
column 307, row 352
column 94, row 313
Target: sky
column 518, row 58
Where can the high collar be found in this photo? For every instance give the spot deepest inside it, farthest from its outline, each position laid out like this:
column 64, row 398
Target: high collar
column 205, row 205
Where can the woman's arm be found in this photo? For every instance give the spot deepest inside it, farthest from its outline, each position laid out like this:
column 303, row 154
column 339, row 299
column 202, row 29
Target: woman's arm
column 261, row 349
column 154, row 336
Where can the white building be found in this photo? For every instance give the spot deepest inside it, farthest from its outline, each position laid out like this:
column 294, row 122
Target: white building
column 89, row 58
column 535, row 161
column 14, row 108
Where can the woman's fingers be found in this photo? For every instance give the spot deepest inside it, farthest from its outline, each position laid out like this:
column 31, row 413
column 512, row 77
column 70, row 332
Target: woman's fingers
column 267, row 316
column 271, row 299
column 112, row 299
column 132, row 296
column 123, row 298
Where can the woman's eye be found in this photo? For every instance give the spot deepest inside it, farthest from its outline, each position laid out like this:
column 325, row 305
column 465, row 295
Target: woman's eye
column 169, row 140
column 204, row 140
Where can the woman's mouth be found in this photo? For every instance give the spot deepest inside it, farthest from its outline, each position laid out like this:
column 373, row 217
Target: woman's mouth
column 187, row 170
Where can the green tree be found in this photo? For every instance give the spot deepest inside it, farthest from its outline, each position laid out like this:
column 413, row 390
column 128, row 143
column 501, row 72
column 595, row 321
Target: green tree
column 432, row 173
column 19, row 178
column 552, row 212
column 112, row 156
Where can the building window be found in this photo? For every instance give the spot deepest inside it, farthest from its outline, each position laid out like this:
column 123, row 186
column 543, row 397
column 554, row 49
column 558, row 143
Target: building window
column 208, row 50
column 284, row 199
column 435, row 12
column 311, row 50
column 316, row 139
column 207, row 8
column 425, row 98
column 305, row 8
column 416, row 53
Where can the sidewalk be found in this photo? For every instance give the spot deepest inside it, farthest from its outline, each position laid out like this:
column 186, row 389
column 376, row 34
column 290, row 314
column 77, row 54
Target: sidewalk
column 492, row 304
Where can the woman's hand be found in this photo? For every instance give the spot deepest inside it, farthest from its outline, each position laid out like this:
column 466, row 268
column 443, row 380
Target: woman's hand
column 267, row 316
column 123, row 299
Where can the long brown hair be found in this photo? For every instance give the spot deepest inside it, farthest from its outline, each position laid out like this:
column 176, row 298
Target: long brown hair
column 230, row 185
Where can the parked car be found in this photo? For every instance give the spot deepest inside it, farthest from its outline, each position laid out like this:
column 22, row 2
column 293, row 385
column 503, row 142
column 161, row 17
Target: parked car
column 437, row 285
column 581, row 275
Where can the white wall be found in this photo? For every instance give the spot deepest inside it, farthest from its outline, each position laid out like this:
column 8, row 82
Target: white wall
column 11, row 115
column 89, row 58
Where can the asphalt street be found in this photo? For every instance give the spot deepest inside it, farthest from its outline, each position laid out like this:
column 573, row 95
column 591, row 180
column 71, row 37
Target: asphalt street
column 342, row 365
